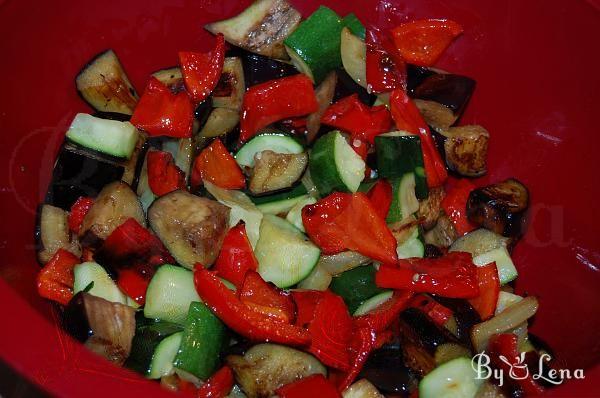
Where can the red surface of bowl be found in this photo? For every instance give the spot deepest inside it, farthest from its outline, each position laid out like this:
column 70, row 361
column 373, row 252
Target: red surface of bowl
column 536, row 66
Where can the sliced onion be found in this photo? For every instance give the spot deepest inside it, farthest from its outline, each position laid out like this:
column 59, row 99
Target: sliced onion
column 335, row 264
column 318, row 279
column 510, row 318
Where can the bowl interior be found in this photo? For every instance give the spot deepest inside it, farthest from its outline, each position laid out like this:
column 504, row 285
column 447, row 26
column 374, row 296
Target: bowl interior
column 537, row 86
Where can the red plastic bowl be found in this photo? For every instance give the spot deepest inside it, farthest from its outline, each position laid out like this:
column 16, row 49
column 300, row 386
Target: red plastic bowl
column 536, row 66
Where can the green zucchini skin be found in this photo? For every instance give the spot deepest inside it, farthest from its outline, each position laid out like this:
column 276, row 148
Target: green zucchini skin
column 316, row 42
column 203, row 337
column 401, row 154
column 147, row 337
column 355, row 286
column 352, row 22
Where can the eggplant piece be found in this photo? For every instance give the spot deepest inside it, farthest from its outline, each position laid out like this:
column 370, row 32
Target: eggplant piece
column 362, row 389
column 275, row 171
column 420, row 339
column 266, row 367
column 436, row 115
column 386, row 370
column 115, row 204
column 430, row 208
column 452, row 91
column 79, row 173
column 106, row 328
column 259, row 69
column 53, row 233
column 104, row 85
column 432, row 251
column 192, row 228
column 465, row 317
column 347, row 86
column 324, row 94
column 501, row 207
column 133, row 166
column 415, row 75
column 260, row 28
column 466, row 149
column 172, row 78
column 220, row 122
column 443, row 234
column 231, row 87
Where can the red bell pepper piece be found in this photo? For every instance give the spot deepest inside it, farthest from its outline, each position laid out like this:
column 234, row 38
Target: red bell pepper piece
column 55, row 280
column 380, row 195
column 489, row 289
column 455, row 205
column 132, row 245
column 311, row 386
column 363, row 342
column 306, row 302
column 218, row 385
column 216, row 165
column 275, row 100
column 331, row 332
column 407, row 117
column 422, row 42
column 78, row 211
column 385, row 67
column 160, row 112
column 134, row 284
column 236, row 256
column 503, row 348
column 453, row 275
column 241, row 318
column 361, row 121
column 266, row 298
column 163, row 174
column 349, row 221
column 438, row 313
column 201, row 71
column 380, row 318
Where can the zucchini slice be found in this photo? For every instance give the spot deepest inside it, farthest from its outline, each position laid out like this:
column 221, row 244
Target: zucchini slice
column 276, row 171
column 404, row 202
column 147, row 338
column 453, row 379
column 398, row 153
column 107, row 136
column 260, row 28
column 280, row 202
column 278, row 143
column 164, row 355
column 411, row 247
column 314, row 47
column 356, row 285
column 231, row 87
column 334, row 166
column 103, row 286
column 192, row 228
column 354, row 24
column 170, row 293
column 285, row 256
column 294, row 215
column 372, row 303
column 354, row 56
column 241, row 209
column 104, row 85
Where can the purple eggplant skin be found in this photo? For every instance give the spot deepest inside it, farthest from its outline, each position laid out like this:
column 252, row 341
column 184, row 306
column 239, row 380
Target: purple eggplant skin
column 464, row 314
column 453, row 91
column 346, row 86
column 386, row 370
column 75, row 320
column 501, row 207
column 429, row 334
column 432, row 251
column 259, row 69
column 80, row 173
column 415, row 76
